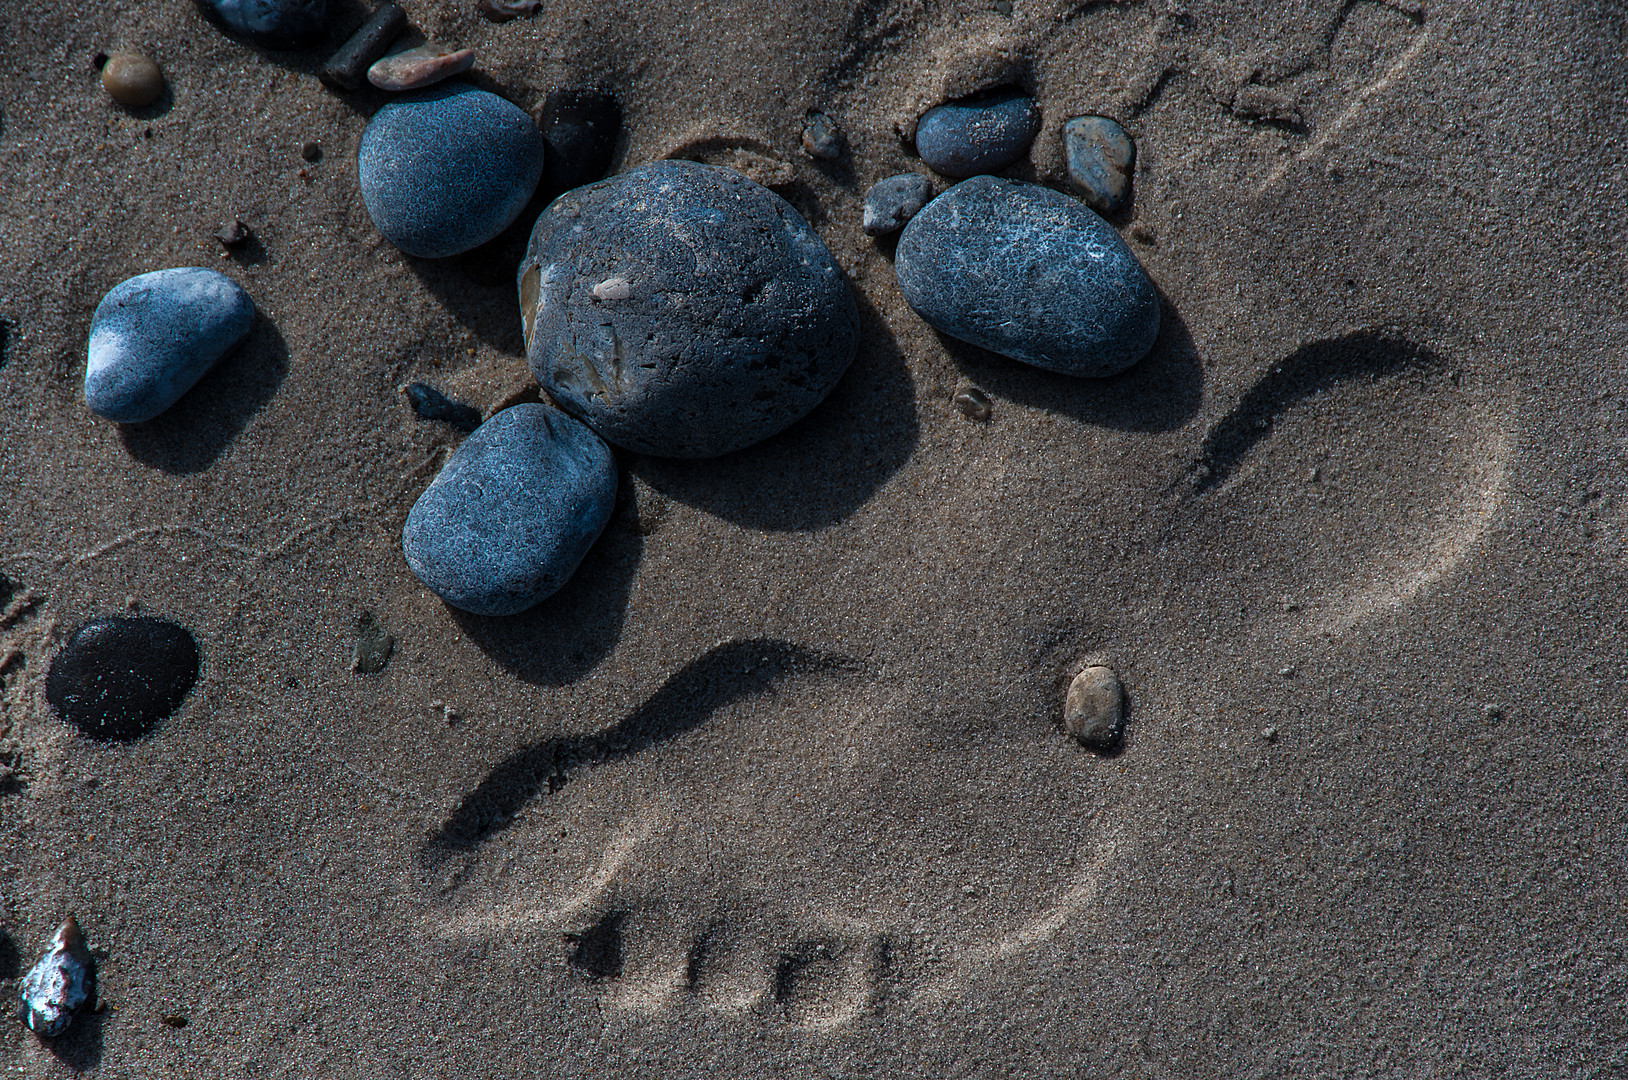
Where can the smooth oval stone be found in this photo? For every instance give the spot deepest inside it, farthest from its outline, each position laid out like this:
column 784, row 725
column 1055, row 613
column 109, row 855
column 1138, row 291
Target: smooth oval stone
column 117, row 676
column 277, row 24
column 890, row 203
column 514, row 511
column 423, row 65
column 580, row 127
column 1100, row 157
column 980, row 134
column 133, row 80
column 155, row 335
column 1029, row 273
column 683, row 310
column 446, row 169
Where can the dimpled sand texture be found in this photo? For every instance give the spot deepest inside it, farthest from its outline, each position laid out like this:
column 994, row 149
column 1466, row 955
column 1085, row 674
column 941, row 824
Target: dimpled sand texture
column 446, row 169
column 683, row 310
column 513, row 512
column 1031, row 274
column 154, row 336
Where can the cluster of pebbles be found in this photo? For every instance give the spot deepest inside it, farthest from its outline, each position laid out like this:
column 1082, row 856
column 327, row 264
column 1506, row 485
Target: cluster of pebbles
column 677, row 310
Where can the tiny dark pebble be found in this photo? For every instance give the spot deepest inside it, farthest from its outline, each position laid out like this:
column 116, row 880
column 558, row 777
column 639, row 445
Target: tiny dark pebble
column 173, row 1021
column 311, row 151
column 1003, row 7
column 133, row 80
column 233, row 234
column 891, row 203
column 98, row 59
column 821, row 137
column 117, row 677
column 580, row 128
column 430, row 404
column 347, row 68
column 974, row 403
column 371, row 645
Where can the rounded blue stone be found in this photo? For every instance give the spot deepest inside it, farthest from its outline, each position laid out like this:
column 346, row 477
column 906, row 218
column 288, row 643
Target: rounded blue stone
column 683, row 310
column 513, row 513
column 154, row 336
column 1029, row 273
column 980, row 134
column 278, row 24
column 446, row 169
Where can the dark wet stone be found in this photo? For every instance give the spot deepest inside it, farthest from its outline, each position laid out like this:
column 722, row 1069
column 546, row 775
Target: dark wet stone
column 154, row 336
column 980, row 134
column 233, row 234
column 1100, row 158
column 276, row 24
column 581, row 128
column 61, row 984
column 682, row 310
column 311, row 152
column 117, row 677
column 446, row 169
column 514, row 511
column 1028, row 273
column 430, row 404
column 347, row 68
column 892, row 202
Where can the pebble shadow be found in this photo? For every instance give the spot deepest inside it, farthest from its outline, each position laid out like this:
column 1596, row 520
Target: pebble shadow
column 80, row 1047
column 344, row 16
column 11, row 961
column 189, row 435
column 824, row 467
column 1161, row 392
column 567, row 635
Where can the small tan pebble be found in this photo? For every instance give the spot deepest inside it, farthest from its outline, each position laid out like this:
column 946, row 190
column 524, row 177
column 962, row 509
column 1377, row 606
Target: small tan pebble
column 311, row 151
column 1286, row 672
column 1269, row 733
column 974, row 403
column 133, row 80
column 1094, row 711
column 422, row 65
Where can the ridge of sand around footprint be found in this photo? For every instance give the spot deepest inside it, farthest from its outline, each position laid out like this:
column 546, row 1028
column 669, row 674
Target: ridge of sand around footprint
column 777, row 782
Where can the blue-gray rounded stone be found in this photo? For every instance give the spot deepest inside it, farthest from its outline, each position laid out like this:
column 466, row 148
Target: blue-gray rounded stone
column 514, row 511
column 278, row 24
column 980, row 134
column 446, row 169
column 1029, row 273
column 683, row 310
column 154, row 336
column 892, row 202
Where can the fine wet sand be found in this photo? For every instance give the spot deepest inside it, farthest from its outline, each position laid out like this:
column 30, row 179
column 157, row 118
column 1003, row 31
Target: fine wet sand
column 777, row 784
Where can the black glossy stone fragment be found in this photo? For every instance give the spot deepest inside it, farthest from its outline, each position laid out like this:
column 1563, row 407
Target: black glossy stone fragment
column 117, row 677
column 430, row 404
column 580, row 128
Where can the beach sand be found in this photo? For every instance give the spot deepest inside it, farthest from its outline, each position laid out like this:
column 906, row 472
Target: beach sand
column 1352, row 537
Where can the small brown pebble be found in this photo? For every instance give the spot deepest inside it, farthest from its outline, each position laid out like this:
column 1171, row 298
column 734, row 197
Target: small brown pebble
column 311, row 151
column 132, row 80
column 1094, row 711
column 821, row 137
column 174, row 1021
column 233, row 234
column 974, row 403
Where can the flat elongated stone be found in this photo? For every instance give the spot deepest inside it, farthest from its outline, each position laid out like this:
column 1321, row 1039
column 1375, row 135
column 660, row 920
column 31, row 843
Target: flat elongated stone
column 155, row 335
column 682, row 310
column 980, row 134
column 420, row 66
column 1031, row 274
column 514, row 511
column 347, row 68
column 446, row 169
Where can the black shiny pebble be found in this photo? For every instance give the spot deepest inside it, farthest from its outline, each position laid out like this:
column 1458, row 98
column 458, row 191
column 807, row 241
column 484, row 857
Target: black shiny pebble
column 430, row 404
column 117, row 677
column 580, row 128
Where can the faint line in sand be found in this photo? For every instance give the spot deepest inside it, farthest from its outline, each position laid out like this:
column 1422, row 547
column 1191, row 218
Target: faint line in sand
column 1359, row 101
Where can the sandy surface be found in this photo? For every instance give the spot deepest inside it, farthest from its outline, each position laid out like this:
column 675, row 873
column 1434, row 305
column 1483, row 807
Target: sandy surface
column 1353, row 536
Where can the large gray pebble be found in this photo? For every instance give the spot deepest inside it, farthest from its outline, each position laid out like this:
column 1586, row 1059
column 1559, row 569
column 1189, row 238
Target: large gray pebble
column 514, row 511
column 446, row 169
column 155, row 335
column 1029, row 273
column 683, row 310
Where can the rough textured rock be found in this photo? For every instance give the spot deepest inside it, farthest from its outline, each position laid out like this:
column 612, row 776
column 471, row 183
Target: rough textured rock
column 1100, row 158
column 682, row 310
column 1028, row 273
column 890, row 203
